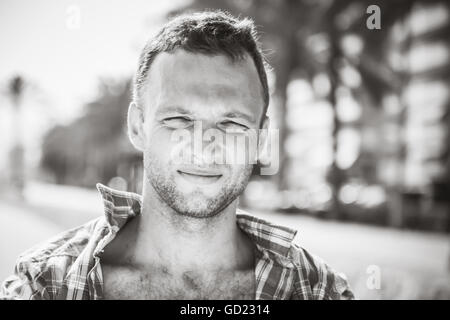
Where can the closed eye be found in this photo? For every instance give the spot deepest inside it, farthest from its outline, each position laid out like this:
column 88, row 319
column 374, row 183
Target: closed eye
column 232, row 126
column 177, row 122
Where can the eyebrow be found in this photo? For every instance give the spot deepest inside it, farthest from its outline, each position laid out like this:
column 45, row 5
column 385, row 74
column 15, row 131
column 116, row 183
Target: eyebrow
column 174, row 109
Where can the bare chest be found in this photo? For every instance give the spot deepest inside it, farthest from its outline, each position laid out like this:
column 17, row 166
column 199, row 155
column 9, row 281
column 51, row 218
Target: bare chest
column 157, row 283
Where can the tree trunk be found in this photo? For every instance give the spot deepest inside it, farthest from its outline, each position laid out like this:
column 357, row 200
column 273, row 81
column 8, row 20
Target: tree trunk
column 336, row 176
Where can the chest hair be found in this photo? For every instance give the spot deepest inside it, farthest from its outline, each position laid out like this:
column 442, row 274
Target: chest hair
column 158, row 283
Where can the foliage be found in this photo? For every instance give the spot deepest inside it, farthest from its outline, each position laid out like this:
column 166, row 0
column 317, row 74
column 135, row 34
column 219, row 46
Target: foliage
column 90, row 149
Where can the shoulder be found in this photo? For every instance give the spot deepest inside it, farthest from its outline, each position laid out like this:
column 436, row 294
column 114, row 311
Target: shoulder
column 68, row 243
column 316, row 279
column 40, row 271
column 313, row 278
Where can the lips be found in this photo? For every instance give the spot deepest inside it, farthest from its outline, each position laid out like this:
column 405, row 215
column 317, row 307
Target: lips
column 206, row 172
column 200, row 176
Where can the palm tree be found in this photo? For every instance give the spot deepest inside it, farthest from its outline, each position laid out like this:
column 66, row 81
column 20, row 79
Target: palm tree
column 17, row 174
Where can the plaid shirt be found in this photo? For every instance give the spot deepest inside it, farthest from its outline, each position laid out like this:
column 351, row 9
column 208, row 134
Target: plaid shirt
column 68, row 266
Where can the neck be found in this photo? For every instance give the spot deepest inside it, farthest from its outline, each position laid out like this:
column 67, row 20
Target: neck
column 181, row 242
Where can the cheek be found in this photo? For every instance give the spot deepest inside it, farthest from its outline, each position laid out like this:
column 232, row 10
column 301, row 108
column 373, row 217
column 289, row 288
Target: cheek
column 159, row 145
column 240, row 151
column 239, row 174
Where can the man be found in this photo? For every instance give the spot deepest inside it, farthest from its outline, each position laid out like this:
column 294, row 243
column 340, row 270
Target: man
column 184, row 238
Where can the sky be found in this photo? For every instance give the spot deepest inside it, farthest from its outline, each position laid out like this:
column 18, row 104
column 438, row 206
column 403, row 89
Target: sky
column 62, row 48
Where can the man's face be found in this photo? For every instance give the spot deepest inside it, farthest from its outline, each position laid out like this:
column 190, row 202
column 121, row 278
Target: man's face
column 188, row 95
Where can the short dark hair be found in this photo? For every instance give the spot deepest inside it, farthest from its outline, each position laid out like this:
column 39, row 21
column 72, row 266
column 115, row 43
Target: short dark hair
column 210, row 33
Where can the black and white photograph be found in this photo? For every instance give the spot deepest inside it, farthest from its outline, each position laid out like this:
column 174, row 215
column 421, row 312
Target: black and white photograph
column 225, row 150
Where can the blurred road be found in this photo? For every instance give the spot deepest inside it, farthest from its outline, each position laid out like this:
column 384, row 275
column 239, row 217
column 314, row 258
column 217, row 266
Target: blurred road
column 412, row 265
column 19, row 230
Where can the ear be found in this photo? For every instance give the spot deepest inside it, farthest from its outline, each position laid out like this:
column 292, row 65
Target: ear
column 135, row 121
column 263, row 139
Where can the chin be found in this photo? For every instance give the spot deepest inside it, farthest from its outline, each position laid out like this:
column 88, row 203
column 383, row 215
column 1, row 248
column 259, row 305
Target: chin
column 198, row 206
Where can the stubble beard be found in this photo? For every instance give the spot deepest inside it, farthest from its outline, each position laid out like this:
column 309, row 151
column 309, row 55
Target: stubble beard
column 195, row 204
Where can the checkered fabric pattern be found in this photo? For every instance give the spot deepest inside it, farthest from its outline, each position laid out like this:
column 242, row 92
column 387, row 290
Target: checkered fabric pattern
column 68, row 266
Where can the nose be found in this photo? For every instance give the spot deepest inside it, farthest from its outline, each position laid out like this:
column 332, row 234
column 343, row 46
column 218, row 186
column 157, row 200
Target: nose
column 209, row 149
column 206, row 143
column 201, row 146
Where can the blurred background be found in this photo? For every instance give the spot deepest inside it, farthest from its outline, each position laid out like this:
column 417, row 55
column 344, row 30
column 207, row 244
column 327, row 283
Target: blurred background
column 361, row 99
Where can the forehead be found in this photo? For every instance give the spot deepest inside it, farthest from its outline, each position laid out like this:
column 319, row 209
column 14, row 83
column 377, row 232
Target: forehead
column 190, row 79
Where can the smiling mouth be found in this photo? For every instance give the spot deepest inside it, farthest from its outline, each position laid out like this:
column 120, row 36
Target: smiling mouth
column 200, row 177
